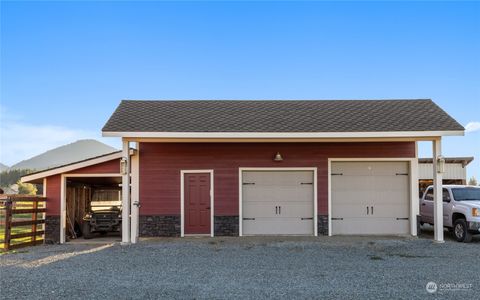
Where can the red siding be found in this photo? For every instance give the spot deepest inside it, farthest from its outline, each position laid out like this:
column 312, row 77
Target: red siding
column 53, row 195
column 112, row 166
column 160, row 166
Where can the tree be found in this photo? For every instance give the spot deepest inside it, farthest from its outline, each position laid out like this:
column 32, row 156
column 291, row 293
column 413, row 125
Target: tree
column 10, row 177
column 26, row 188
column 473, row 181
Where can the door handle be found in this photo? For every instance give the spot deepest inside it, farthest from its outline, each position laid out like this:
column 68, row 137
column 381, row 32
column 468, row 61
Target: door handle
column 276, row 210
column 208, row 207
column 423, row 204
column 371, row 210
column 279, row 210
column 367, row 210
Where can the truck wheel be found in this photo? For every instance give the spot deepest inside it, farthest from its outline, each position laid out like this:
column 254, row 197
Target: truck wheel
column 460, row 231
column 87, row 234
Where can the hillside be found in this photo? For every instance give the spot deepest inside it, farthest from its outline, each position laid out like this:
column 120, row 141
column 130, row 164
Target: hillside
column 3, row 167
column 62, row 155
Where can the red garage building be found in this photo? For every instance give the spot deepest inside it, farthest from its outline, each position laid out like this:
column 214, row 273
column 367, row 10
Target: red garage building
column 263, row 167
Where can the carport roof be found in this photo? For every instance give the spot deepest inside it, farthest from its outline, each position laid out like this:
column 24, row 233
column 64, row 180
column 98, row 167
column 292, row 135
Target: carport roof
column 37, row 176
column 449, row 160
column 279, row 116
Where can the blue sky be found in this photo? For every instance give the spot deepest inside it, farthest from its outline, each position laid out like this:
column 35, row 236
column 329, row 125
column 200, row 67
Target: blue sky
column 66, row 65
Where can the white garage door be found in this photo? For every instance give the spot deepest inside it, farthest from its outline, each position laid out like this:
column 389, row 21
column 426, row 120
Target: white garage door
column 277, row 203
column 370, row 198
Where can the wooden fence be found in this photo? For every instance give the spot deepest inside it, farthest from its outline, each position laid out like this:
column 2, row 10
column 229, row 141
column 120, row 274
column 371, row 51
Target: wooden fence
column 20, row 229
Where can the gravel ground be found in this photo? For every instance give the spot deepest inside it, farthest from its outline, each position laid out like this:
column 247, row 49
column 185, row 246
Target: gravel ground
column 224, row 268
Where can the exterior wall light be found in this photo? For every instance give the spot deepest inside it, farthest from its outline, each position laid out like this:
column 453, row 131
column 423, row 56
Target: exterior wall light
column 440, row 164
column 123, row 166
column 278, row 157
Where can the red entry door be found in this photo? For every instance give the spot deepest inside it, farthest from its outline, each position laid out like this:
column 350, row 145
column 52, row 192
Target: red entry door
column 197, row 203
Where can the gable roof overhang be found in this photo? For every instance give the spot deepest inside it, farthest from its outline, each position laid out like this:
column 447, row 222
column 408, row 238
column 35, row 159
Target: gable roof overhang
column 38, row 176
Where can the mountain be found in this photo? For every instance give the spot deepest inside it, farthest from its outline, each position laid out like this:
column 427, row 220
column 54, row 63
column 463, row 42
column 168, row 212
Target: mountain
column 3, row 167
column 66, row 154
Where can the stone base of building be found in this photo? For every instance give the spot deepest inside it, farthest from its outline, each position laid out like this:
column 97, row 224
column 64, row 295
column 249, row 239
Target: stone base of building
column 322, row 224
column 226, row 225
column 151, row 226
column 52, row 229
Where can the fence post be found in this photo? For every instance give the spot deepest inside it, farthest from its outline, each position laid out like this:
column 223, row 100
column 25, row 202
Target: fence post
column 8, row 223
column 34, row 219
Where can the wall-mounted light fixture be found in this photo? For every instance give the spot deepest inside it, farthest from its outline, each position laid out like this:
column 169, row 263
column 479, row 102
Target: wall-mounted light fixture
column 278, row 157
column 440, row 164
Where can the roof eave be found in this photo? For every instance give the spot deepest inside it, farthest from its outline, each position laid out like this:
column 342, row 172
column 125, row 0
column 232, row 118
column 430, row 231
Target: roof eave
column 284, row 135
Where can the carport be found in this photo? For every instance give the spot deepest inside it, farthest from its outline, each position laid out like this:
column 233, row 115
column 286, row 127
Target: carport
column 70, row 190
column 85, row 193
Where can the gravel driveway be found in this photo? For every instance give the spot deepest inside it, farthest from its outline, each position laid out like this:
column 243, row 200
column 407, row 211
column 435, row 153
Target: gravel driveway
column 225, row 268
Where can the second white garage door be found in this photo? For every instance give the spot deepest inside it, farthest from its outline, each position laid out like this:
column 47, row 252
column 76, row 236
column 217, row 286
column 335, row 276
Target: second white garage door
column 277, row 202
column 370, row 197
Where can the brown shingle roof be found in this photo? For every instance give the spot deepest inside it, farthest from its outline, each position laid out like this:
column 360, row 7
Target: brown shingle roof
column 280, row 116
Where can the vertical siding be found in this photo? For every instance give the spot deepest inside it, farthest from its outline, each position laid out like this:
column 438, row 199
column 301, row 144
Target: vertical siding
column 53, row 195
column 160, row 165
column 452, row 171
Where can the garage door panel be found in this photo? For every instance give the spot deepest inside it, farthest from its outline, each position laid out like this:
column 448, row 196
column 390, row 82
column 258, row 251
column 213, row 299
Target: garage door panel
column 369, row 168
column 352, row 185
column 376, row 226
column 348, row 210
column 391, row 210
column 278, row 226
column 276, row 194
column 297, row 209
column 259, row 209
column 277, row 178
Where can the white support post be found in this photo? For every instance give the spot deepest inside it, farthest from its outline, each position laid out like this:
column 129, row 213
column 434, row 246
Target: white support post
column 415, row 201
column 126, row 192
column 44, row 205
column 437, row 192
column 135, row 201
column 63, row 209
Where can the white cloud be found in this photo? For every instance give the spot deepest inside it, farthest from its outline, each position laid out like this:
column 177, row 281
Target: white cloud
column 20, row 140
column 472, row 127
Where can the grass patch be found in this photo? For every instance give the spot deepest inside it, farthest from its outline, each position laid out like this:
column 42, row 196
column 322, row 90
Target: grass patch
column 17, row 230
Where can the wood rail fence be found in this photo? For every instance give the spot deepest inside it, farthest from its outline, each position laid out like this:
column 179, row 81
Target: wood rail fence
column 20, row 229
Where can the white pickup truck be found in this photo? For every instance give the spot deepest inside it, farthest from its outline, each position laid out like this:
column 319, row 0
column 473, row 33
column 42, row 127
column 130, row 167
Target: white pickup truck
column 461, row 210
